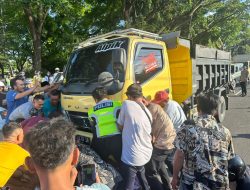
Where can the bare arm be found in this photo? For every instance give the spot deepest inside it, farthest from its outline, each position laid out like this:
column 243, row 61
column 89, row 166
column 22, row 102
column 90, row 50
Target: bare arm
column 178, row 163
column 120, row 127
column 47, row 88
column 25, row 93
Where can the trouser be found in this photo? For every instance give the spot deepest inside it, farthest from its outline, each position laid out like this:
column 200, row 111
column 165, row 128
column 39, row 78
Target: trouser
column 130, row 175
column 170, row 160
column 243, row 88
column 156, row 170
column 107, row 147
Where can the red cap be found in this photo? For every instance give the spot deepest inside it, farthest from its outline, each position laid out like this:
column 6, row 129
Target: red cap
column 160, row 96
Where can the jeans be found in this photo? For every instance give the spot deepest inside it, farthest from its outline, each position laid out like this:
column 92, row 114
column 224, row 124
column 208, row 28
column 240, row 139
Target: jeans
column 170, row 160
column 131, row 174
column 156, row 170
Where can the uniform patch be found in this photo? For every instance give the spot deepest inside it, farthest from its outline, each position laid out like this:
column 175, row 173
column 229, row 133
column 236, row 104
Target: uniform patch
column 103, row 105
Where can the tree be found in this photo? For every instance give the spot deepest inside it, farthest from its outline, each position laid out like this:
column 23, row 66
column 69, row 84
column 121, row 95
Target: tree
column 60, row 14
column 209, row 22
column 48, row 30
column 15, row 37
column 36, row 13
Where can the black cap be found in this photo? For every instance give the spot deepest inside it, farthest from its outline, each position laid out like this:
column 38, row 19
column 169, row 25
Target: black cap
column 134, row 90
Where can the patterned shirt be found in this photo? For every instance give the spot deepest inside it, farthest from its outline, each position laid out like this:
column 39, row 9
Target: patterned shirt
column 207, row 147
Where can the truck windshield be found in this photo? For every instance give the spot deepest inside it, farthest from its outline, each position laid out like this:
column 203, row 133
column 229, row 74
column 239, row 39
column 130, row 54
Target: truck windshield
column 86, row 65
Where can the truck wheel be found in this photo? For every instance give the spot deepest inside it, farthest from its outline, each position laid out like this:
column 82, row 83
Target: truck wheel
column 221, row 109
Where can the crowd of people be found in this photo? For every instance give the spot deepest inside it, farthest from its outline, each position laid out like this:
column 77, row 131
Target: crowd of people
column 149, row 144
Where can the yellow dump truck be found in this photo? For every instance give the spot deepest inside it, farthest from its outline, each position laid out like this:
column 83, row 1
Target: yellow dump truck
column 120, row 58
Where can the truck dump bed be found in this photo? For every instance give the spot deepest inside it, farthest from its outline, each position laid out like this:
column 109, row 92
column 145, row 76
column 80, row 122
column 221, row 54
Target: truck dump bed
column 211, row 68
column 197, row 69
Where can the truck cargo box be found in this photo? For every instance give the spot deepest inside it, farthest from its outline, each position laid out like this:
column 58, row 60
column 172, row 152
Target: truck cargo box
column 195, row 69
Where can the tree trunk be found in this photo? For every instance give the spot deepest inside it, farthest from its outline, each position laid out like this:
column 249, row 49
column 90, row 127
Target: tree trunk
column 37, row 55
column 127, row 7
column 36, row 26
column 2, row 69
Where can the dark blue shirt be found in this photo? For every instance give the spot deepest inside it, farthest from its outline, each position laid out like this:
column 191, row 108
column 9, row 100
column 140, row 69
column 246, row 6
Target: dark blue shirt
column 13, row 103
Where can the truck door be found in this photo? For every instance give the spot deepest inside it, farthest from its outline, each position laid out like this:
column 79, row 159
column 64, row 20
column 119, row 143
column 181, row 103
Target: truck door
column 151, row 69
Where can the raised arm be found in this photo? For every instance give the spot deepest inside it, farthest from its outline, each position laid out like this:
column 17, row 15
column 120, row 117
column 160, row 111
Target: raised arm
column 25, row 93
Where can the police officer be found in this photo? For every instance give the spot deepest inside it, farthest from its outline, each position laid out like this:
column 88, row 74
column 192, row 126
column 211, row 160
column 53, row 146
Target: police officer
column 107, row 137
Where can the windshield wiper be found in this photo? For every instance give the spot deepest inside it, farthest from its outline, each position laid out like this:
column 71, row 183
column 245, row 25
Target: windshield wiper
column 91, row 81
column 75, row 79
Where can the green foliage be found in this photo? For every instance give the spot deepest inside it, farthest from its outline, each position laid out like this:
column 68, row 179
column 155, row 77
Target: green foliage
column 59, row 25
column 208, row 22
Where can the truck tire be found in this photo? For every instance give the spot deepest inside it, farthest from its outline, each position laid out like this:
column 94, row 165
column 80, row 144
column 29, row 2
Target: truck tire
column 221, row 109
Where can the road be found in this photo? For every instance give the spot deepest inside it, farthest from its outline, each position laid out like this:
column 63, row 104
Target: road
column 238, row 121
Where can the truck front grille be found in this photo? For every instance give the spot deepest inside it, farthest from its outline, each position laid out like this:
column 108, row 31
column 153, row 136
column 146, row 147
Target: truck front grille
column 80, row 119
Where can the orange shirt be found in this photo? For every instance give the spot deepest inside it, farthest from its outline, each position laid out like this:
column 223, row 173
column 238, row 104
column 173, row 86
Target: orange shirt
column 11, row 157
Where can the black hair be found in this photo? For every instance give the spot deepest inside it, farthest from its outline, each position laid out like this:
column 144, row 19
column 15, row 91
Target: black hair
column 208, row 103
column 13, row 81
column 9, row 128
column 44, row 83
column 134, row 91
column 38, row 97
column 55, row 114
column 50, row 142
column 100, row 93
column 55, row 92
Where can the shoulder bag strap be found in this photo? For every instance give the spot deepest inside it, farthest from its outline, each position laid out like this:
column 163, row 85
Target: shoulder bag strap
column 143, row 108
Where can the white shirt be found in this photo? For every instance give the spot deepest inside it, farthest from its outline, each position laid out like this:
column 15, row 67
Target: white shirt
column 136, row 138
column 176, row 113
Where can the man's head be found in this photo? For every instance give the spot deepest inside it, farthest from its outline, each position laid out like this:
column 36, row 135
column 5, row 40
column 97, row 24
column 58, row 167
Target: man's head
column 161, row 98
column 134, row 92
column 99, row 93
column 13, row 132
column 207, row 103
column 54, row 97
column 51, row 145
column 38, row 101
column 17, row 84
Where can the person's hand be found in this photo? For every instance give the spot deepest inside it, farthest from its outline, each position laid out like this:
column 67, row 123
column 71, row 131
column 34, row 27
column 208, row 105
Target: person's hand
column 175, row 183
column 98, row 180
column 36, row 85
column 54, row 85
column 73, row 175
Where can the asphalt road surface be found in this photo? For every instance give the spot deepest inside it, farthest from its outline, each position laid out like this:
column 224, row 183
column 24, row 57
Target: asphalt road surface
column 237, row 120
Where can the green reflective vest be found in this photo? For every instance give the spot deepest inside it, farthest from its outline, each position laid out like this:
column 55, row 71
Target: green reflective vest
column 105, row 116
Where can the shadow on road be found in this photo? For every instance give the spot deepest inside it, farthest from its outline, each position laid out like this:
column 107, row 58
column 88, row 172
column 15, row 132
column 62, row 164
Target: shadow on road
column 240, row 108
column 246, row 136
